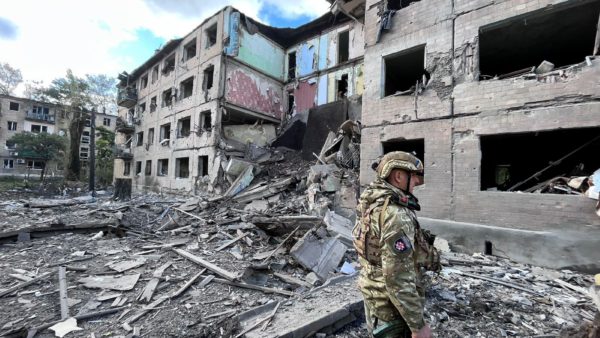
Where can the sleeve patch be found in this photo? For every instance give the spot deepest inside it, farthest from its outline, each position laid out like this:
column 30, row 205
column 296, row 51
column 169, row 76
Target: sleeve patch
column 402, row 245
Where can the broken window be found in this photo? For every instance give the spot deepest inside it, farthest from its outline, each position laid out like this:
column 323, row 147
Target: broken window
column 342, row 87
column 139, row 139
column 182, row 167
column 148, row 168
column 187, row 87
column 36, row 128
column 126, row 168
column 13, row 106
column 541, row 161
column 291, row 65
column 141, row 109
column 403, row 70
column 399, row 4
column 209, row 72
column 163, row 167
column 35, row 164
column 343, row 46
column 154, row 74
column 169, row 65
column 151, row 136
column 414, row 146
column 9, row 164
column 205, row 120
column 189, row 50
column 165, row 134
column 144, row 82
column 183, row 127
column 106, row 122
column 561, row 36
column 202, row 166
column 291, row 99
column 167, row 97
column 12, row 125
column 153, row 104
column 138, row 167
column 210, row 35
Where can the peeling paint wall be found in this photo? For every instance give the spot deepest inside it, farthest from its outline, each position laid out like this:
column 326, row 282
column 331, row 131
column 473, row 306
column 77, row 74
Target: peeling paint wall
column 322, row 95
column 304, row 95
column 248, row 89
column 307, row 57
column 254, row 50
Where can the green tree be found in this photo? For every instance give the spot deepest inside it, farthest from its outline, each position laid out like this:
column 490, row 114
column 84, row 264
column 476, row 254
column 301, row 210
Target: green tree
column 10, row 78
column 42, row 147
column 72, row 93
column 104, row 155
column 103, row 92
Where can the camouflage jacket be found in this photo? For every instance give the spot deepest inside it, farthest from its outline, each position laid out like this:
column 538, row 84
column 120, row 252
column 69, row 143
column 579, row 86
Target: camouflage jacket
column 391, row 250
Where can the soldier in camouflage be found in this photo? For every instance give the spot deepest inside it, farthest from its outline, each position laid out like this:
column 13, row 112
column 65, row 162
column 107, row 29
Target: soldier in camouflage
column 393, row 250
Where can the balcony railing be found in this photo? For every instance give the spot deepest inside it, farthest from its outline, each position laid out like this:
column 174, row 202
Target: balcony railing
column 122, row 151
column 123, row 126
column 127, row 97
column 39, row 117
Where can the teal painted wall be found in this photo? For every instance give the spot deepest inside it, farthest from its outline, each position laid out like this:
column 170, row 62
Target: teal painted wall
column 258, row 52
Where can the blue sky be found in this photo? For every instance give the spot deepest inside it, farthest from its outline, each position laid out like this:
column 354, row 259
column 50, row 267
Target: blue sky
column 110, row 36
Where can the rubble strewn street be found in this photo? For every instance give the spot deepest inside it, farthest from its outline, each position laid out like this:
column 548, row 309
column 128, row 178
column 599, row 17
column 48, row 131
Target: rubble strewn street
column 276, row 263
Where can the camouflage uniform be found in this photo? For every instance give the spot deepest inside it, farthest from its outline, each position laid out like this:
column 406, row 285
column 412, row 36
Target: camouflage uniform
column 392, row 250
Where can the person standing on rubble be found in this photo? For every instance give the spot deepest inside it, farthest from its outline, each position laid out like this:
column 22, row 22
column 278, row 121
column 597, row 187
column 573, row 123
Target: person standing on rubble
column 393, row 249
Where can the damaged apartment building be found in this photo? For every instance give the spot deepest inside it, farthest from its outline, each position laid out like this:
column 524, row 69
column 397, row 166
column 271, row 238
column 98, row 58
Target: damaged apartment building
column 221, row 93
column 501, row 98
column 21, row 114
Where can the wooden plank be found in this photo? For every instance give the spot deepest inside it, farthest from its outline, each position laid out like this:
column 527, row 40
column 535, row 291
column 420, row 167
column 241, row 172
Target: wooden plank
column 78, row 317
column 228, row 243
column 255, row 287
column 500, row 282
column 281, row 244
column 292, row 279
column 24, row 284
column 206, row 281
column 62, row 290
column 148, row 292
column 260, row 321
column 210, row 266
column 188, row 284
column 572, row 287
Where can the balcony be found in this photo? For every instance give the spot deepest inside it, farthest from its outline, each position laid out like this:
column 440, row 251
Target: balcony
column 123, row 152
column 127, row 97
column 39, row 117
column 125, row 127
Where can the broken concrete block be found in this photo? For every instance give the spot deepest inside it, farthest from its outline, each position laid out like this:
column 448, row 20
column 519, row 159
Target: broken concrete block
column 318, row 172
column 241, row 183
column 257, row 205
column 544, row 67
column 236, row 166
column 319, row 252
column 344, row 202
column 261, row 135
column 123, row 283
column 339, row 225
column 127, row 265
column 312, row 278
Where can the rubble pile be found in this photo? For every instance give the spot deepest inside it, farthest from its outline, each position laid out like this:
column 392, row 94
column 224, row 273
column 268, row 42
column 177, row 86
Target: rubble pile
column 269, row 256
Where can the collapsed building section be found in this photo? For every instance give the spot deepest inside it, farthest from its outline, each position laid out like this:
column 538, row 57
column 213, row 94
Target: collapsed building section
column 224, row 91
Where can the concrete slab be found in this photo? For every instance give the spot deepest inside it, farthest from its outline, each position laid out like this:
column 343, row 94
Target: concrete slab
column 556, row 248
column 326, row 310
column 236, row 166
column 340, row 225
column 319, row 252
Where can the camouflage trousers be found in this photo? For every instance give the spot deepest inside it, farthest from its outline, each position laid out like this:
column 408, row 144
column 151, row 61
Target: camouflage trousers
column 381, row 329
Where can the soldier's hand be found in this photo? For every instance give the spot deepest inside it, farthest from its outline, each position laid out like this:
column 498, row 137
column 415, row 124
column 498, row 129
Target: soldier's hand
column 424, row 332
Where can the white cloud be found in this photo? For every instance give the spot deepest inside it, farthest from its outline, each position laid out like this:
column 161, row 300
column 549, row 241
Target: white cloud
column 82, row 35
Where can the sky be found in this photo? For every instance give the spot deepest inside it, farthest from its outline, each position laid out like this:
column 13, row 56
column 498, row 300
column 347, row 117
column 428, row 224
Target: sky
column 45, row 38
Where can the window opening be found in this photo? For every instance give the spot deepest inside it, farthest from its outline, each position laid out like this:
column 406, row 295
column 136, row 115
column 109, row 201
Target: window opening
column 211, row 36
column 144, row 82
column 169, row 65
column 14, row 106
column 183, row 127
column 182, row 167
column 126, row 168
column 154, row 74
column 291, row 99
column 208, row 77
column 12, row 125
column 187, row 87
column 165, row 134
column 202, row 166
column 163, row 167
column 148, row 168
column 343, row 46
column 399, row 4
column 8, row 164
column 205, row 120
column 151, row 136
column 139, row 139
column 560, row 36
column 106, row 122
column 539, row 162
column 342, row 87
column 413, row 146
column 138, row 167
column 167, row 97
column 403, row 70
column 292, row 65
column 190, row 50
column 153, row 104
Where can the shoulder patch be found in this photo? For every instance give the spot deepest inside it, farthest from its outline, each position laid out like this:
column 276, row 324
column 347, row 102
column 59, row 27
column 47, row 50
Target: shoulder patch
column 402, row 245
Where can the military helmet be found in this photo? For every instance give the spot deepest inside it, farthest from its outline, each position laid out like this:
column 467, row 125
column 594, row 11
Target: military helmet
column 399, row 160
